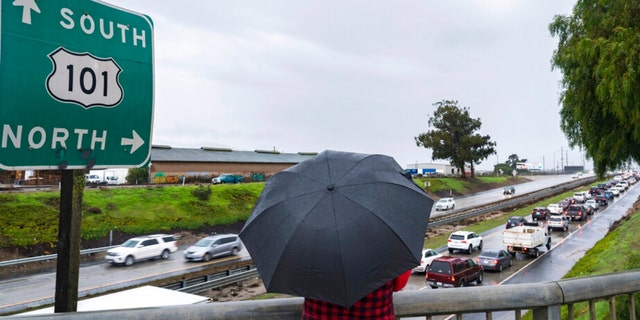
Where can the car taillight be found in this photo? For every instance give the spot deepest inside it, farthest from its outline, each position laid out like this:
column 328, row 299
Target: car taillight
column 495, row 261
column 449, row 240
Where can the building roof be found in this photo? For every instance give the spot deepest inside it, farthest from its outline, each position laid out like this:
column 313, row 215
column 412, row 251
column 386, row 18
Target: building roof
column 169, row 154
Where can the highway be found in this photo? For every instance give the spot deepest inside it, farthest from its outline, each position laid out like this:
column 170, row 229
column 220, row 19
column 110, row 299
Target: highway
column 37, row 290
column 567, row 248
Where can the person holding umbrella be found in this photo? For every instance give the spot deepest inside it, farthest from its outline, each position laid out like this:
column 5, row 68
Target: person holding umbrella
column 378, row 304
column 337, row 229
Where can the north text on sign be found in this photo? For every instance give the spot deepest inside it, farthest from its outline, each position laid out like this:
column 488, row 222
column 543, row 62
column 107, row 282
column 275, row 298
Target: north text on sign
column 37, row 137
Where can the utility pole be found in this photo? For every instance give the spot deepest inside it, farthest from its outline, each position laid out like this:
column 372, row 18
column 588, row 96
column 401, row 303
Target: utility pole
column 561, row 160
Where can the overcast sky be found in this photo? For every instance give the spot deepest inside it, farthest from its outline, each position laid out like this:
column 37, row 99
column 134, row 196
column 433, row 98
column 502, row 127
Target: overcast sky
column 360, row 76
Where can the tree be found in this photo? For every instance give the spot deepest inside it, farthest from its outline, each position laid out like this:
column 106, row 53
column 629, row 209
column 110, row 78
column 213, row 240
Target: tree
column 513, row 160
column 453, row 137
column 137, row 176
column 599, row 56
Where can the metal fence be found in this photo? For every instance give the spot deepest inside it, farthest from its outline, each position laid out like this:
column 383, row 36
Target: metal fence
column 543, row 300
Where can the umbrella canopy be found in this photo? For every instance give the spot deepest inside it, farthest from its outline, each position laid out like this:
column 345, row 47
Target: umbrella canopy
column 337, row 226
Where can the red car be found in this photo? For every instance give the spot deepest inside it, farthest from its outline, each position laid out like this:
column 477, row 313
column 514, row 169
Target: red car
column 451, row 271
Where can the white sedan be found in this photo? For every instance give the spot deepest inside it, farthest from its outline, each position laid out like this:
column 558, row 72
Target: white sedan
column 428, row 255
column 445, row 204
column 555, row 208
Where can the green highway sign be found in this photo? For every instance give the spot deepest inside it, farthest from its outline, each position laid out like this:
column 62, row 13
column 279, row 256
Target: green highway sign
column 76, row 85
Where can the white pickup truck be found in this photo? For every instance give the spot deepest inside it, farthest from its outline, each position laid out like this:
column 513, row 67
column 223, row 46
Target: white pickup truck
column 526, row 239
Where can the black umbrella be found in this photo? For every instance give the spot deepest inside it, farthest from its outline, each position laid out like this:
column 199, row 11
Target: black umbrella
column 337, row 226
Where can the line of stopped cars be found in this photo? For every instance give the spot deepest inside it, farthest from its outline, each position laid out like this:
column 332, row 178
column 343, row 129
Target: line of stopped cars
column 161, row 246
column 519, row 236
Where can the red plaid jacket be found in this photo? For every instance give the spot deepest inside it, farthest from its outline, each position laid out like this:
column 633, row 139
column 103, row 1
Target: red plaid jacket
column 378, row 304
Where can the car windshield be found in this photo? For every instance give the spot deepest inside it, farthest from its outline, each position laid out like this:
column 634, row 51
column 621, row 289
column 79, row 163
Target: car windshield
column 457, row 237
column 203, row 243
column 489, row 254
column 130, row 243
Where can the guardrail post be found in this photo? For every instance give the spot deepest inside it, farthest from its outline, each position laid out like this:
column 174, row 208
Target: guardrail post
column 632, row 306
column 547, row 313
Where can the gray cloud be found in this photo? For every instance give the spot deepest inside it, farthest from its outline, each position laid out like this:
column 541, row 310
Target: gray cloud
column 354, row 75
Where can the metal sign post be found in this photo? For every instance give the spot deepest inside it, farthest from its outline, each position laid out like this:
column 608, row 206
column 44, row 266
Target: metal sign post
column 68, row 263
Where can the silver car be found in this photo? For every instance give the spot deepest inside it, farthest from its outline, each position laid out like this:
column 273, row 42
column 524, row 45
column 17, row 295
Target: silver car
column 213, row 246
column 558, row 222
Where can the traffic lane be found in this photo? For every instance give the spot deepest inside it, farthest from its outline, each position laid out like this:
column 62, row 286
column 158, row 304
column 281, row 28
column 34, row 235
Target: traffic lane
column 485, row 197
column 561, row 259
column 417, row 281
column 553, row 265
column 39, row 289
column 492, row 239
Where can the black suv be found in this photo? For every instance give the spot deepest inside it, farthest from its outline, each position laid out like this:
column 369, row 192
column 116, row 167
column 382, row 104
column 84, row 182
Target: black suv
column 540, row 213
column 515, row 221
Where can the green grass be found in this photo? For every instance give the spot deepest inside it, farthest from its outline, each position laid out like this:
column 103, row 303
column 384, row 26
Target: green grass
column 29, row 219
column 459, row 186
column 32, row 218
column 617, row 251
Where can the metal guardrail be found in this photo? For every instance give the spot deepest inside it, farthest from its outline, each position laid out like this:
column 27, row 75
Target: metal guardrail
column 49, row 257
column 544, row 300
column 215, row 280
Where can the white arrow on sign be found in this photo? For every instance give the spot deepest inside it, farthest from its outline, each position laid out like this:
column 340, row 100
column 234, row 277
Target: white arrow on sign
column 27, row 6
column 135, row 142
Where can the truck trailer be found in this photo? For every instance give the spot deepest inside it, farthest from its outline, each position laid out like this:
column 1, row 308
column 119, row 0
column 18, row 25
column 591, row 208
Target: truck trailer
column 526, row 239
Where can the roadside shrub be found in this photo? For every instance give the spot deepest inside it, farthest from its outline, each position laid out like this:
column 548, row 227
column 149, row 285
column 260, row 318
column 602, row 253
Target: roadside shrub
column 202, row 193
column 94, row 210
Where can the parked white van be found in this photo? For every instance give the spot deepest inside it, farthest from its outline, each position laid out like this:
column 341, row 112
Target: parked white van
column 112, row 180
column 92, row 179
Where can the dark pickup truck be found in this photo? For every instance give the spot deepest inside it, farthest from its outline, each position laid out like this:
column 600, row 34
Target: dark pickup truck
column 578, row 212
column 452, row 271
